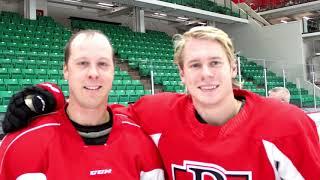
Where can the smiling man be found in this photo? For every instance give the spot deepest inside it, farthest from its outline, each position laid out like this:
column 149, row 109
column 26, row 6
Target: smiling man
column 85, row 139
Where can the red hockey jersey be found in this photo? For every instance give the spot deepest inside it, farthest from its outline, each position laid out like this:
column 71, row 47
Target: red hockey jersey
column 266, row 140
column 51, row 148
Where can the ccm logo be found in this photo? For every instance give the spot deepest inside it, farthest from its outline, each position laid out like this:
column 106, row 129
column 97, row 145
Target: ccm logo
column 100, row 172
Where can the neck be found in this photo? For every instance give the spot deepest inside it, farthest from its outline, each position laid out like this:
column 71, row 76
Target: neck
column 86, row 116
column 219, row 114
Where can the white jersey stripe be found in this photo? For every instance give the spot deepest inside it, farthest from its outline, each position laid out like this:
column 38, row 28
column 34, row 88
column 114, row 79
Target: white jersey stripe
column 130, row 123
column 156, row 138
column 32, row 176
column 155, row 174
column 123, row 115
column 20, row 135
column 285, row 170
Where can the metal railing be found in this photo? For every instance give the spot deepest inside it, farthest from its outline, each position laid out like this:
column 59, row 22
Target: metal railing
column 259, row 76
column 300, row 79
column 311, row 25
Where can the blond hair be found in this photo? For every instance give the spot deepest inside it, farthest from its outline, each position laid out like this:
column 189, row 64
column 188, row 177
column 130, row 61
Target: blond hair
column 204, row 33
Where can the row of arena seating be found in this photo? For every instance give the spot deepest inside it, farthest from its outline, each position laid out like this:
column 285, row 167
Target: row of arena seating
column 264, row 5
column 47, row 73
column 17, row 84
column 12, row 17
column 211, row 6
column 31, row 52
column 41, row 39
column 254, row 78
column 144, row 52
column 160, row 55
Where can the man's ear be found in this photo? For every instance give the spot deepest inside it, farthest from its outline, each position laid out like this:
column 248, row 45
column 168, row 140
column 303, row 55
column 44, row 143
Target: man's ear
column 234, row 69
column 65, row 72
column 181, row 73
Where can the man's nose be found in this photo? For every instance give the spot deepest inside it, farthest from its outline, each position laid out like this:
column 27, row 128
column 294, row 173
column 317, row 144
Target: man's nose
column 93, row 72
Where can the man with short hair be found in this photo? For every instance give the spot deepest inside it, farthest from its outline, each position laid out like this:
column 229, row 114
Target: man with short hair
column 281, row 93
column 85, row 139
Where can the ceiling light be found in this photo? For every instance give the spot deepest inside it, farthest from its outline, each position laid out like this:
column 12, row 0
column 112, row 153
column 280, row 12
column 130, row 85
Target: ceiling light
column 202, row 23
column 306, row 18
column 183, row 18
column 284, row 21
column 75, row 1
column 159, row 14
column 105, row 4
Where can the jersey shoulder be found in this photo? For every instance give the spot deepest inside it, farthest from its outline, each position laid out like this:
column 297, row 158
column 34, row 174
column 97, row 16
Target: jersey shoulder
column 275, row 109
column 272, row 116
column 128, row 126
column 153, row 112
column 37, row 134
column 270, row 108
column 25, row 149
column 124, row 123
column 160, row 101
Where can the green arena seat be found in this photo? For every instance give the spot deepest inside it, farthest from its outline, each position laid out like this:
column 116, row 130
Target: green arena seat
column 123, row 98
column 15, row 73
column 37, row 81
column 131, row 87
column 66, row 93
column 120, row 92
column 25, row 82
column 64, row 87
column 113, row 99
column 6, row 96
column 12, row 84
column 27, row 73
column 6, row 63
column 133, row 98
column 54, row 74
column 62, row 82
column 41, row 73
column 3, row 86
column 3, row 108
column 147, row 92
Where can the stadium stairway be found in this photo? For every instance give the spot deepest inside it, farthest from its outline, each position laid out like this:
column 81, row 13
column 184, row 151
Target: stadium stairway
column 146, row 81
column 31, row 52
column 141, row 51
column 153, row 50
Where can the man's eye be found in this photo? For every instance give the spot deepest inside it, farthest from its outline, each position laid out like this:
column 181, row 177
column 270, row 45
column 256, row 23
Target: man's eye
column 103, row 64
column 83, row 63
column 195, row 65
column 215, row 63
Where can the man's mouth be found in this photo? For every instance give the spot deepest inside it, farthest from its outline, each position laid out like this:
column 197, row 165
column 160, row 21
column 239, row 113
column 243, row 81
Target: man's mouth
column 92, row 87
column 208, row 87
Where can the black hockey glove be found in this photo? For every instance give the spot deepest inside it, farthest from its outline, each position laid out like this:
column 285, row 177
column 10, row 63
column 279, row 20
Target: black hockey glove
column 25, row 105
